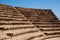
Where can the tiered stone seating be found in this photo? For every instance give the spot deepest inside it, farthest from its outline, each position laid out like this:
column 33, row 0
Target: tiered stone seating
column 36, row 15
column 18, row 23
column 10, row 12
column 19, row 31
column 16, row 26
column 44, row 20
column 50, row 29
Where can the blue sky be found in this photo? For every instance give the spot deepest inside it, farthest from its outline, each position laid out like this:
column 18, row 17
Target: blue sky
column 41, row 4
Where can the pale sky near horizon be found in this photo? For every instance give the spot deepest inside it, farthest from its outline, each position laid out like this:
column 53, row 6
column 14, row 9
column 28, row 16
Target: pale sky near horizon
column 54, row 5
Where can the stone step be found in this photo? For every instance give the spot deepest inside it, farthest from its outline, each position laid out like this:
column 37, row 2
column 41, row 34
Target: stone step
column 49, row 37
column 2, row 28
column 55, row 22
column 47, row 26
column 15, row 23
column 5, row 12
column 15, row 26
column 56, row 38
column 12, row 19
column 21, row 21
column 11, row 15
column 20, row 31
column 25, row 36
column 52, row 33
column 46, row 38
column 1, row 18
column 48, row 29
column 45, row 22
column 57, row 29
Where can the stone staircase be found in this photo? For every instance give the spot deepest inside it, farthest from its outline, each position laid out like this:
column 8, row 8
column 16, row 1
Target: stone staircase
column 38, row 15
column 28, row 24
column 49, row 26
column 15, row 26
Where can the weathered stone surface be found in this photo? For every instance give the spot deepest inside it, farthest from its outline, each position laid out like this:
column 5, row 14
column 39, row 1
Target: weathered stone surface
column 17, row 23
column 38, row 14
